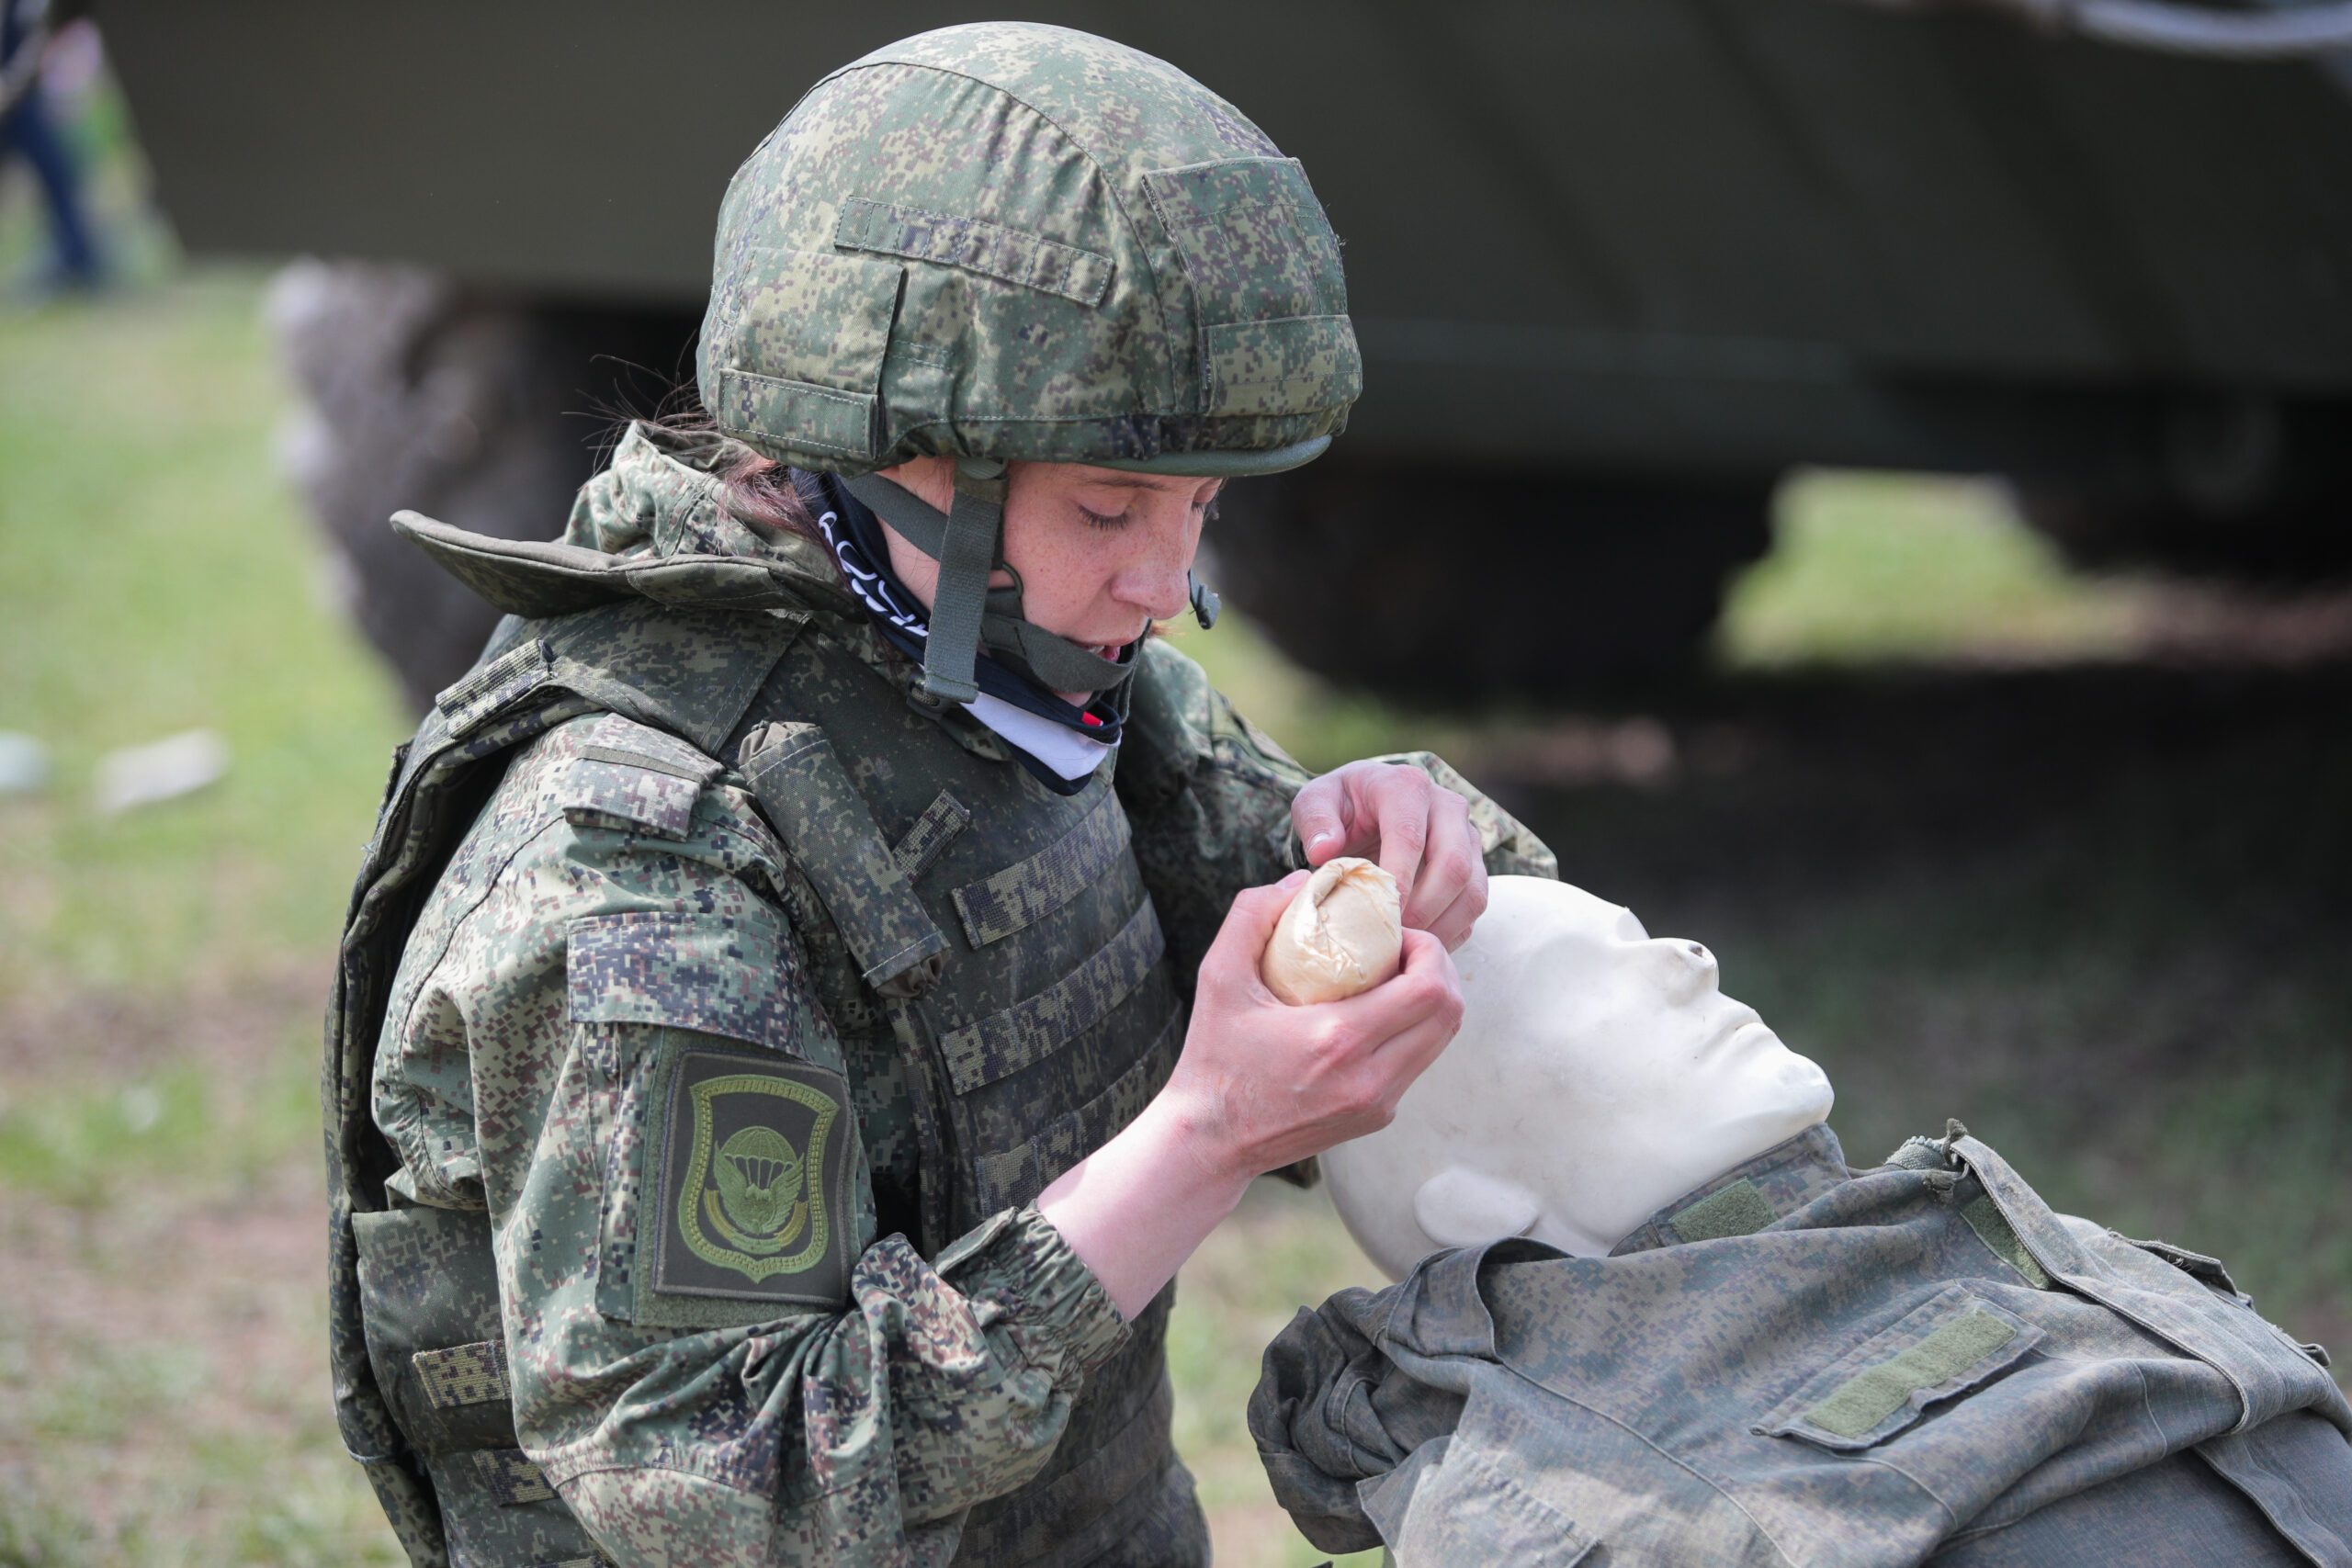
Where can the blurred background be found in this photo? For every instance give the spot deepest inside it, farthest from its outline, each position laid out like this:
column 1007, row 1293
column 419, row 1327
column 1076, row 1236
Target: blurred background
column 1867, row 483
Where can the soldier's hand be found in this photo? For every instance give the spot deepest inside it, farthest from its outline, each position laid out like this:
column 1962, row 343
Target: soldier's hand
column 1261, row 1084
column 1417, row 830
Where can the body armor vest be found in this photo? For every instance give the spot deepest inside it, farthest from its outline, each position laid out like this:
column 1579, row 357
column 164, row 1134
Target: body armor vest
column 999, row 936
column 990, row 937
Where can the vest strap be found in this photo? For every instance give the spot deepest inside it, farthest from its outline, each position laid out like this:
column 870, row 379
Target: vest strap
column 464, row 1374
column 941, row 820
column 830, row 833
column 1011, row 1177
column 1026, row 1034
column 509, row 1475
column 1019, row 896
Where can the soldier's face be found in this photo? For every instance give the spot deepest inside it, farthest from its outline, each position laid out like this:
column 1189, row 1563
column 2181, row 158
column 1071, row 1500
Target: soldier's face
column 1102, row 553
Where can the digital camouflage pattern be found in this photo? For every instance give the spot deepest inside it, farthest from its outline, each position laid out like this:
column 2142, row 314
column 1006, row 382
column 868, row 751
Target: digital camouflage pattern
column 625, row 908
column 1800, row 1364
column 1006, row 240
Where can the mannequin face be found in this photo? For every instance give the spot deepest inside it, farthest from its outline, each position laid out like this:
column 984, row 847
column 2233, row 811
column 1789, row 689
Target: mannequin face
column 1102, row 553
column 1599, row 1074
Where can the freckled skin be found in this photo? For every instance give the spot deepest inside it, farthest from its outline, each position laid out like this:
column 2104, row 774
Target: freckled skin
column 1097, row 583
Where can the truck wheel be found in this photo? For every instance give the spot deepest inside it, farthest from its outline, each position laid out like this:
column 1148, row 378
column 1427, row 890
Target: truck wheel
column 1451, row 587
column 483, row 411
column 2253, row 488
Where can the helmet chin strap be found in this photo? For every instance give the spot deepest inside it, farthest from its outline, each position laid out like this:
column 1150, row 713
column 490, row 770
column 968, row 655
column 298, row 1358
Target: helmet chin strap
column 967, row 614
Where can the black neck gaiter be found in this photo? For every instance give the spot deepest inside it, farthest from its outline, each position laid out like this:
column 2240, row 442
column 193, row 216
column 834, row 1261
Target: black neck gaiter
column 854, row 535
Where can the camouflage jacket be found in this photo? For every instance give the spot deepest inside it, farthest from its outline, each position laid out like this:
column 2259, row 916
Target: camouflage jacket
column 820, row 1435
column 1795, row 1364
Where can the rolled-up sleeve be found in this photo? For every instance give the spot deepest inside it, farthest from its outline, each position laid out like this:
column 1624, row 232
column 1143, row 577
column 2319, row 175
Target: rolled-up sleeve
column 599, row 1036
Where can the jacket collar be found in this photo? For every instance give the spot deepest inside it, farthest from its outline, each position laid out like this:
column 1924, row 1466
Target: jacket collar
column 1749, row 1196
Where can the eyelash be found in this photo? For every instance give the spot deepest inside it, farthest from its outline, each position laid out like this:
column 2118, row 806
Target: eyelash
column 1096, row 519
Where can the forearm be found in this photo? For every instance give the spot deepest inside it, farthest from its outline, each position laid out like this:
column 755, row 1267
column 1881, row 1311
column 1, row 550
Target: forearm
column 1138, row 1206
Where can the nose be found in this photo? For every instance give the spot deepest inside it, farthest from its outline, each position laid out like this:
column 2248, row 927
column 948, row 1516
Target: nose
column 1158, row 582
column 1687, row 968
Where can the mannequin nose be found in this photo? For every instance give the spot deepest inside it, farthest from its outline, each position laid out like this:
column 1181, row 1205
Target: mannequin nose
column 1690, row 968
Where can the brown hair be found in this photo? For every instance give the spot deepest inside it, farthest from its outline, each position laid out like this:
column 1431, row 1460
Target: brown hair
column 758, row 489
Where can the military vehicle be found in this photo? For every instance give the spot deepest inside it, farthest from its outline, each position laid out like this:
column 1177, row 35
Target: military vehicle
column 1616, row 267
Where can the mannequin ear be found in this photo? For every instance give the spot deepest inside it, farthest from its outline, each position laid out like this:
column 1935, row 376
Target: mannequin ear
column 1463, row 1208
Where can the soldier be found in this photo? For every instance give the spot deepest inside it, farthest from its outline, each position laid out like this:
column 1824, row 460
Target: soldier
column 768, row 1088
column 1676, row 1328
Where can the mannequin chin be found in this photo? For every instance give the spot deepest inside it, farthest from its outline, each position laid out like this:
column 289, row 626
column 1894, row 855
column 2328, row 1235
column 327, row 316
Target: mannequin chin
column 1599, row 1074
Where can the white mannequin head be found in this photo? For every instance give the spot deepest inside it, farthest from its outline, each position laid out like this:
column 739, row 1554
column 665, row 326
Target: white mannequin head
column 1599, row 1075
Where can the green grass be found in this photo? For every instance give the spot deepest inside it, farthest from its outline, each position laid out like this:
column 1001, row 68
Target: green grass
column 160, row 579
column 1872, row 567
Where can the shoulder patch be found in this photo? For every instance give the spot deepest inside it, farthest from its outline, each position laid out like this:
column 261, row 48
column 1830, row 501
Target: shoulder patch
column 631, row 778
column 749, row 1156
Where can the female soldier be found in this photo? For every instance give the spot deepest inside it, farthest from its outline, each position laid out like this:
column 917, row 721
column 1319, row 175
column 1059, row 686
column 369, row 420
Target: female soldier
column 763, row 1113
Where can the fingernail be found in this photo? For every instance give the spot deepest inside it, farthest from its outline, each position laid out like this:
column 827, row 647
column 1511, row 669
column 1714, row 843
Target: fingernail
column 1321, row 839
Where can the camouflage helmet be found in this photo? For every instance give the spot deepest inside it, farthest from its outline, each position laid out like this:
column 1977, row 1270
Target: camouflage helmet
column 1007, row 241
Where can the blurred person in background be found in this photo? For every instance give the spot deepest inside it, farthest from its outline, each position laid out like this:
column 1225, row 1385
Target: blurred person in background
column 800, row 1004
column 28, row 130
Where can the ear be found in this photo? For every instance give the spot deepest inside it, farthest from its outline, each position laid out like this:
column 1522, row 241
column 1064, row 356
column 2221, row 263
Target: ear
column 1463, row 1208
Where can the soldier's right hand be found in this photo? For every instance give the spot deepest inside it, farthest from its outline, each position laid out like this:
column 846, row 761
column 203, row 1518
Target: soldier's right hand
column 1261, row 1084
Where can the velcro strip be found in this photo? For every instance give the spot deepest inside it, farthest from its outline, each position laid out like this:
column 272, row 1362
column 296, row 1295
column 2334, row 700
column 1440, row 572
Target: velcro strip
column 941, row 820
column 1738, row 1209
column 1014, row 1177
column 1019, row 896
column 464, row 1374
column 1870, row 1396
column 974, row 244
column 1993, row 1228
column 492, row 687
column 509, row 1475
column 1029, row 1030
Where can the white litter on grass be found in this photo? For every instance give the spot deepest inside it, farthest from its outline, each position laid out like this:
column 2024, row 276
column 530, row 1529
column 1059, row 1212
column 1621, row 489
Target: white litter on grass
column 24, row 764
column 166, row 770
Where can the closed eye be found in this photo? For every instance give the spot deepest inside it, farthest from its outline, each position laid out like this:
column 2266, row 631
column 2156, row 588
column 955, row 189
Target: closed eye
column 1097, row 520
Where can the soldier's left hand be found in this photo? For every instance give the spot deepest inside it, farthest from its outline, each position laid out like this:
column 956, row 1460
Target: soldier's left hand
column 1420, row 832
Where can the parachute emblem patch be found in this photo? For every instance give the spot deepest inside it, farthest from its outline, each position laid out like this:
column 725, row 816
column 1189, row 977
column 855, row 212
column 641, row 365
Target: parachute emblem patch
column 754, row 1159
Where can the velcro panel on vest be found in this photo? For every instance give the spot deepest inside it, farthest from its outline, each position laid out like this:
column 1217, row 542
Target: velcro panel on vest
column 429, row 1287
column 1013, row 1177
column 500, row 1509
column 509, row 1475
column 941, row 820
column 830, row 833
column 1019, row 896
column 464, row 1374
column 493, row 686
column 1030, row 1030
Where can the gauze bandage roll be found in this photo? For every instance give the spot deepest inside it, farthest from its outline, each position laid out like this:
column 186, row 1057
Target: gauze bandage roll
column 1342, row 933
